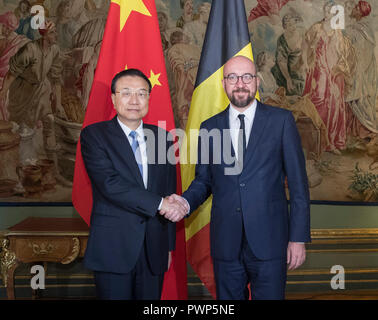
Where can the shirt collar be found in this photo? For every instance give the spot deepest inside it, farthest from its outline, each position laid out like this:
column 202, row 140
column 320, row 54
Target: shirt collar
column 249, row 112
column 127, row 130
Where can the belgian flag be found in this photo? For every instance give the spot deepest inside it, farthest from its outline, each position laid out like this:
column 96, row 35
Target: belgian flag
column 226, row 36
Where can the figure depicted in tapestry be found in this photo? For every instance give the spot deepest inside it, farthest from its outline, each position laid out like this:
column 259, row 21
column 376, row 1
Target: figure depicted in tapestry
column 187, row 13
column 34, row 74
column 10, row 42
column 23, row 14
column 197, row 28
column 288, row 69
column 330, row 60
column 184, row 60
column 361, row 99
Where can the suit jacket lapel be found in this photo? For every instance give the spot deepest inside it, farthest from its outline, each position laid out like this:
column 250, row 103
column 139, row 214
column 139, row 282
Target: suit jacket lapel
column 224, row 125
column 258, row 126
column 123, row 144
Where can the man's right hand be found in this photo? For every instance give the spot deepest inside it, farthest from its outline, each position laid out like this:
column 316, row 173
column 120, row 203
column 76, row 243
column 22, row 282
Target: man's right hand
column 174, row 208
column 175, row 197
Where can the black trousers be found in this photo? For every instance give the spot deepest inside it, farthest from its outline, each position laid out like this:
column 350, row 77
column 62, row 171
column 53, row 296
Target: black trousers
column 139, row 284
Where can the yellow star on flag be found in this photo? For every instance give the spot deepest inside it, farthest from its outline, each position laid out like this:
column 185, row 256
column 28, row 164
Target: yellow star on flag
column 127, row 6
column 154, row 79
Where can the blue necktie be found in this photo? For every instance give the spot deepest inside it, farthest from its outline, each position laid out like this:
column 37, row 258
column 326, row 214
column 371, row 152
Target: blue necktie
column 136, row 150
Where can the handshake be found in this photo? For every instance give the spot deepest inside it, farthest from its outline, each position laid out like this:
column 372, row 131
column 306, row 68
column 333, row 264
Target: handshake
column 174, row 208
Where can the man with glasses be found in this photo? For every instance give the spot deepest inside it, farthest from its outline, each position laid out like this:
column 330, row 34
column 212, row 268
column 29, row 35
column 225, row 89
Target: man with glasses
column 130, row 241
column 254, row 238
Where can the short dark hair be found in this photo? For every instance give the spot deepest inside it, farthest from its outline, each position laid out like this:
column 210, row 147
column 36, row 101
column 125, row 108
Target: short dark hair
column 130, row 73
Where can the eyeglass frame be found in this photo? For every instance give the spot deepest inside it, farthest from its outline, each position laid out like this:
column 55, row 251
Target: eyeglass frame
column 241, row 77
column 132, row 92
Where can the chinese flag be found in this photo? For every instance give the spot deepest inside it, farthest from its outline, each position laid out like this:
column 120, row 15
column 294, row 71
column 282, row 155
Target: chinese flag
column 132, row 40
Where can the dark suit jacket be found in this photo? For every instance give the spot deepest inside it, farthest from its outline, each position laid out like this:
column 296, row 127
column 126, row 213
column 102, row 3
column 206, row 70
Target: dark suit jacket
column 124, row 212
column 256, row 198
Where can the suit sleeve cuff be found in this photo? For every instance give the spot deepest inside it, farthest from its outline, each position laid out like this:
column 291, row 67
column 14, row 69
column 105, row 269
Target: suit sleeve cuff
column 160, row 205
column 187, row 203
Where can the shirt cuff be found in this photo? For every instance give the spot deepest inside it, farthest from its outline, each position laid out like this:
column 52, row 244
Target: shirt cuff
column 161, row 203
column 187, row 205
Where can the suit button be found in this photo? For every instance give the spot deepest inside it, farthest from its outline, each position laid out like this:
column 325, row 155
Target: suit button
column 242, row 185
column 238, row 209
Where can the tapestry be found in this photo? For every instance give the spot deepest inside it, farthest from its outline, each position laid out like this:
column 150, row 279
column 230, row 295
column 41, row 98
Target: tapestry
column 317, row 58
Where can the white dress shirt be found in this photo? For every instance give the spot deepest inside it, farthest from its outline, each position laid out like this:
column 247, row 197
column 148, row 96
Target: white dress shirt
column 235, row 123
column 235, row 126
column 142, row 148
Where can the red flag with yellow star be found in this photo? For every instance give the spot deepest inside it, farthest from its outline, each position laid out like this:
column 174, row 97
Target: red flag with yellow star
column 131, row 40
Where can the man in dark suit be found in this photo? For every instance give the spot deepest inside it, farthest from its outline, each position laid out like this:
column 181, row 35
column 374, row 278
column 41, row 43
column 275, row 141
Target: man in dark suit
column 252, row 233
column 129, row 242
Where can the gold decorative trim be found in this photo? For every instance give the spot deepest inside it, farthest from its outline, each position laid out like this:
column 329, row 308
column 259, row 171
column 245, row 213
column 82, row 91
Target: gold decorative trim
column 344, row 233
column 324, row 271
column 346, row 241
column 75, row 252
column 7, row 259
column 77, row 285
column 343, row 237
column 47, row 233
column 328, row 281
column 58, row 277
column 317, row 272
column 340, row 250
column 316, row 234
column 42, row 248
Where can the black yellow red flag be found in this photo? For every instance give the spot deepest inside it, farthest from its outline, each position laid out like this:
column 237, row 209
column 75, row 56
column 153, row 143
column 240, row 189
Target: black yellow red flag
column 226, row 36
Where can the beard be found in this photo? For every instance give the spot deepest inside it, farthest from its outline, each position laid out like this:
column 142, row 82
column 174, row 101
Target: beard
column 241, row 103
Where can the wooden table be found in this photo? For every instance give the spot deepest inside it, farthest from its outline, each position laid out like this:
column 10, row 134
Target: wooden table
column 40, row 240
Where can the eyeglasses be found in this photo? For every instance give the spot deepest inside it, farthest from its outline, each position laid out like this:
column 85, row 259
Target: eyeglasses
column 140, row 94
column 232, row 78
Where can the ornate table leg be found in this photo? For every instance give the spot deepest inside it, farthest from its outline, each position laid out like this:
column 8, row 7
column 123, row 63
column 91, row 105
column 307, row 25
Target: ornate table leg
column 74, row 251
column 8, row 264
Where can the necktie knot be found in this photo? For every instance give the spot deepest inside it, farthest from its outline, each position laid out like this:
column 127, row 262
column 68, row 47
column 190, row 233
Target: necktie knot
column 241, row 118
column 133, row 134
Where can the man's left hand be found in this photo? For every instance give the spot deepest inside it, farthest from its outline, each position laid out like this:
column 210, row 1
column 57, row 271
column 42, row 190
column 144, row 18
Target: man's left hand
column 296, row 255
